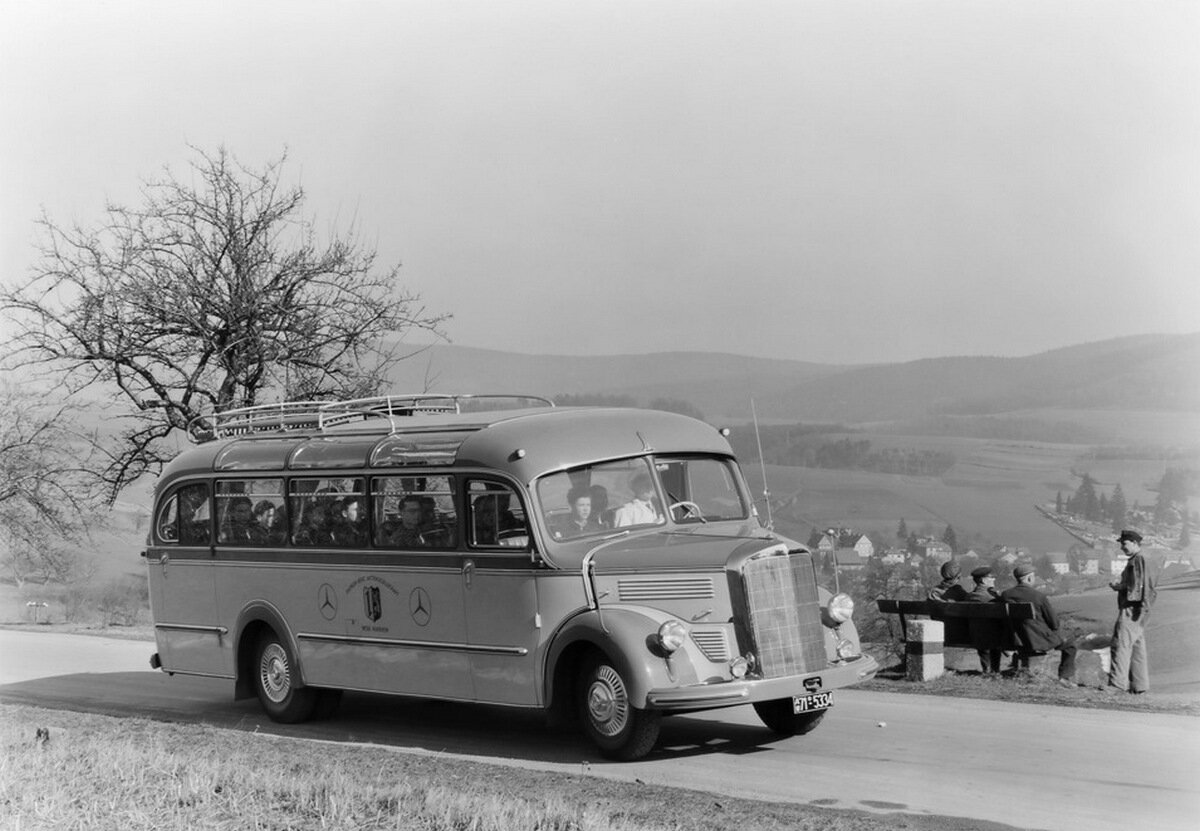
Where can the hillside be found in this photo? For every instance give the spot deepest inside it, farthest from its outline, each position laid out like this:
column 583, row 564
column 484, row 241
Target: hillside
column 1144, row 374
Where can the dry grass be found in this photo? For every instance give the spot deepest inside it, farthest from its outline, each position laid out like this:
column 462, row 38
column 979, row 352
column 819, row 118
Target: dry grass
column 99, row 772
column 1040, row 688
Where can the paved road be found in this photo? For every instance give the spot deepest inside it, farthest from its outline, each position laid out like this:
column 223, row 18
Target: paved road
column 1029, row 766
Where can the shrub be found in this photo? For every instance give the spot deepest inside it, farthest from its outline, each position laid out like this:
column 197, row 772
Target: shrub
column 120, row 601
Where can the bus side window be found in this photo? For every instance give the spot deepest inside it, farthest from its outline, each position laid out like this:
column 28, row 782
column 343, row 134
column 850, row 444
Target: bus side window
column 184, row 517
column 497, row 517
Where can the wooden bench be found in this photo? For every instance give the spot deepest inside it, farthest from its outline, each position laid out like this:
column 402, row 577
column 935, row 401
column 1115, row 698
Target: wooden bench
column 980, row 626
column 967, row 625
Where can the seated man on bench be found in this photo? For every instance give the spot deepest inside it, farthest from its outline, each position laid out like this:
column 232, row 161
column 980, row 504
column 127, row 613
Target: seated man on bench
column 1040, row 633
column 988, row 631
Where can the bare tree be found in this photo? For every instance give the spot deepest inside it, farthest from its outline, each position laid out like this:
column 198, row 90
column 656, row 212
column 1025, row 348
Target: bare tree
column 213, row 293
column 48, row 492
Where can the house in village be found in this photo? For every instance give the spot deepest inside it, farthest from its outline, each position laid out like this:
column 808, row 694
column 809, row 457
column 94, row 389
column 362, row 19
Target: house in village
column 935, row 550
column 849, row 558
column 864, row 547
column 1059, row 561
column 1090, row 563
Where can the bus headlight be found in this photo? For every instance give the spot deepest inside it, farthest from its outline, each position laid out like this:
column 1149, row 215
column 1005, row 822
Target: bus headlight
column 738, row 667
column 671, row 635
column 841, row 607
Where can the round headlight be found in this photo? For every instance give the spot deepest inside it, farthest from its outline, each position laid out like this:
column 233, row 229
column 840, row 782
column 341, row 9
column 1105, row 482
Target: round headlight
column 738, row 667
column 671, row 635
column 841, row 607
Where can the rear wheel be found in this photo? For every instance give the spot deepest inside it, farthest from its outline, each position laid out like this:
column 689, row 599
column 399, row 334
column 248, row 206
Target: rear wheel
column 277, row 682
column 778, row 716
column 619, row 729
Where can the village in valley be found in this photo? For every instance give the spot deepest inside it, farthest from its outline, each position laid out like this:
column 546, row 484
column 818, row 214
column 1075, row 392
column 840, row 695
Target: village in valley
column 908, row 565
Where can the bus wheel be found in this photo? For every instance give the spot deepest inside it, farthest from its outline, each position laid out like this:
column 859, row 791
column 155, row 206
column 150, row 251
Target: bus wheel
column 779, row 717
column 619, row 729
column 277, row 682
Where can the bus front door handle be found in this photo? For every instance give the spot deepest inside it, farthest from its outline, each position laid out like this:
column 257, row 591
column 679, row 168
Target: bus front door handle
column 162, row 562
column 468, row 571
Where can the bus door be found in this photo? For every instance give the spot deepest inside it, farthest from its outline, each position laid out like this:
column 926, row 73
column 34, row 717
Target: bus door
column 181, row 570
column 500, row 590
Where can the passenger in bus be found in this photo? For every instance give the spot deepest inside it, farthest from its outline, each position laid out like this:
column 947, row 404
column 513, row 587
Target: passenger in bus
column 239, row 525
column 267, row 528
column 316, row 525
column 600, row 506
column 580, row 520
column 348, row 528
column 407, row 533
column 493, row 521
column 640, row 510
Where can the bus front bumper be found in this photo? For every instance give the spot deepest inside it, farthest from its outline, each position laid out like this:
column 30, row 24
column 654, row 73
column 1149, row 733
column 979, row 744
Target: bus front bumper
column 750, row 690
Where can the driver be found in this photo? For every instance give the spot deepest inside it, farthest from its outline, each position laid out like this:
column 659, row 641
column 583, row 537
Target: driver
column 639, row 510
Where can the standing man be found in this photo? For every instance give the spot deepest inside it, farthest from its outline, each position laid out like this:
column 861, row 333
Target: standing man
column 1040, row 633
column 1135, row 595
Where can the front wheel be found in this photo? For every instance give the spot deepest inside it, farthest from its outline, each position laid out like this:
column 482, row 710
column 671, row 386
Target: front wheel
column 778, row 716
column 277, row 682
column 619, row 729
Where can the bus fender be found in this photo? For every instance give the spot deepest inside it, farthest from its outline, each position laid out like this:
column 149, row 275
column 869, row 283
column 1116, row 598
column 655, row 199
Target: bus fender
column 253, row 616
column 628, row 637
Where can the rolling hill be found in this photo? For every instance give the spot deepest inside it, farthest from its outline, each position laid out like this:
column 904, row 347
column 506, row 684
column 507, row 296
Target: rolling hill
column 1141, row 374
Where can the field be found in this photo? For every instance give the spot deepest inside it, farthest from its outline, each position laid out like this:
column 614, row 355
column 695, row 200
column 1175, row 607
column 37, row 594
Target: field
column 990, row 492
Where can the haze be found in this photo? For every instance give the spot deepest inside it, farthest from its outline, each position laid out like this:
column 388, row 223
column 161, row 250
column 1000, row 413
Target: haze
column 836, row 182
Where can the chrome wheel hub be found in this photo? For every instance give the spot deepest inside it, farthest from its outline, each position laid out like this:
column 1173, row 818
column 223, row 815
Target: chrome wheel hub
column 608, row 702
column 275, row 673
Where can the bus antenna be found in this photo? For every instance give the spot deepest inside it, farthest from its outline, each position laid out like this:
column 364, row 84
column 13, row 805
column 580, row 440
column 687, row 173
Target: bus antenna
column 763, row 463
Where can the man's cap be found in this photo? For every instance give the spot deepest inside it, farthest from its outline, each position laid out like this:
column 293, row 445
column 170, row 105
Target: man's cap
column 1022, row 569
column 950, row 570
column 981, row 572
column 1132, row 536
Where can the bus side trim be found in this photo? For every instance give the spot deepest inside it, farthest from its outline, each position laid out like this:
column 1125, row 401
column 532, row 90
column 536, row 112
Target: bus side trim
column 444, row 646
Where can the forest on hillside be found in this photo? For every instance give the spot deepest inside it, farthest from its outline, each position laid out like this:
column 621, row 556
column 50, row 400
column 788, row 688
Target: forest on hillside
column 807, row 445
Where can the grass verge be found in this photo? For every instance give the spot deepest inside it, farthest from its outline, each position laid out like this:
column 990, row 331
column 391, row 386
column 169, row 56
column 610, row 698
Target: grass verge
column 1035, row 689
column 100, row 772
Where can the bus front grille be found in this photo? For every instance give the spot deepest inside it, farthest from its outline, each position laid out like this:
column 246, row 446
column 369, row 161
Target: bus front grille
column 783, row 615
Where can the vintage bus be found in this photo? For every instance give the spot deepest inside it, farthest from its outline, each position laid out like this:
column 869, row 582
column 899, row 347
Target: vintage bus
column 605, row 564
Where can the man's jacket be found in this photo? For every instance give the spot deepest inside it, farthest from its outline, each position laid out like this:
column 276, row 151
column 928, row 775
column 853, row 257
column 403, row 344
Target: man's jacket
column 1039, row 633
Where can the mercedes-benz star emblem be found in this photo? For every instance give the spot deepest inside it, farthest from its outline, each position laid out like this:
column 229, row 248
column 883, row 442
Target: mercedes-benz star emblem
column 419, row 606
column 327, row 601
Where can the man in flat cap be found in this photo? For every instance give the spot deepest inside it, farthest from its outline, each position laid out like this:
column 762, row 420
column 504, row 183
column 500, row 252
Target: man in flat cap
column 1135, row 594
column 949, row 590
column 990, row 631
column 1040, row 633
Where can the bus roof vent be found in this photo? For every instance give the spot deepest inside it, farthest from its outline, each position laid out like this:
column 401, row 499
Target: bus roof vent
column 319, row 415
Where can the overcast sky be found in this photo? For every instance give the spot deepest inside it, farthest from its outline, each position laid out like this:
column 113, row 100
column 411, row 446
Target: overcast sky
column 836, row 182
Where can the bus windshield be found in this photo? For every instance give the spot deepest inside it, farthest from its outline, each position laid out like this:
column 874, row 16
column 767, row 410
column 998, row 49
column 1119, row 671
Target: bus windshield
column 595, row 499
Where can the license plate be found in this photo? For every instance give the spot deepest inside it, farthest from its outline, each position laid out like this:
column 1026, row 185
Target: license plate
column 808, row 703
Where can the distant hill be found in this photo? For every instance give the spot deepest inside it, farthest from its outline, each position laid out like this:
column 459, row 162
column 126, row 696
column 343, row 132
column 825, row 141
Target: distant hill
column 717, row 383
column 1141, row 373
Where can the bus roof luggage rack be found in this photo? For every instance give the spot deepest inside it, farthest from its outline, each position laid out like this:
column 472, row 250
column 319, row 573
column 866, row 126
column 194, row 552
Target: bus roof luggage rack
column 318, row 415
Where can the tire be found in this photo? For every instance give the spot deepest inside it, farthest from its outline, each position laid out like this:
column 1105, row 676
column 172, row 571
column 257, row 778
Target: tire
column 778, row 716
column 619, row 729
column 277, row 682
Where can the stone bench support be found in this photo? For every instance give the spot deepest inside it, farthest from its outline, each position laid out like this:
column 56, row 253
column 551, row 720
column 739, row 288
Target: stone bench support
column 924, row 659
